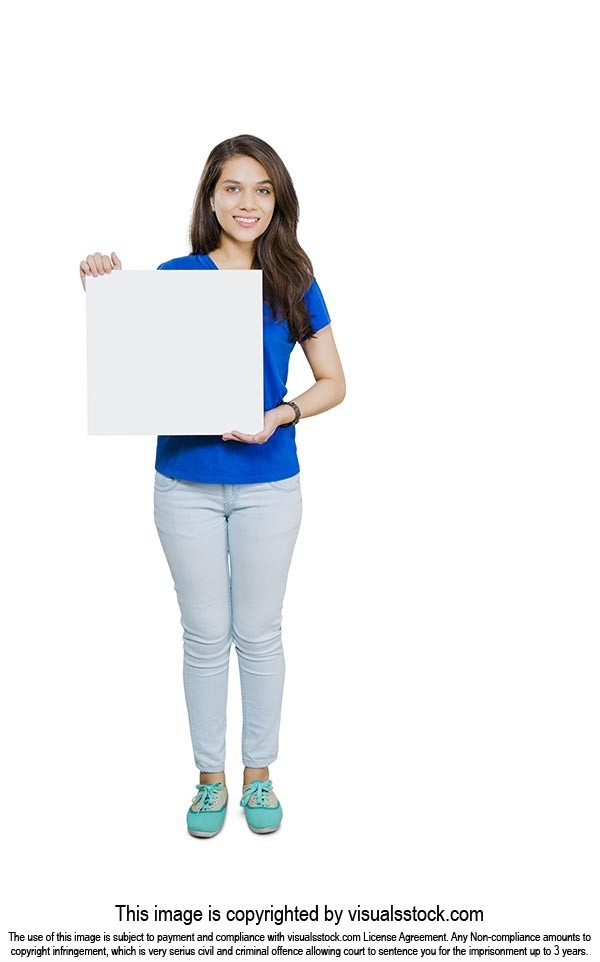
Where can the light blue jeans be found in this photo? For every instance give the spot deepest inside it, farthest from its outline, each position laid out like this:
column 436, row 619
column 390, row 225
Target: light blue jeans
column 229, row 548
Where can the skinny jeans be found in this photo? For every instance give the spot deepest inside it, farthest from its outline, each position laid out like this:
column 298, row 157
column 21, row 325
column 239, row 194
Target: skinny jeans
column 229, row 548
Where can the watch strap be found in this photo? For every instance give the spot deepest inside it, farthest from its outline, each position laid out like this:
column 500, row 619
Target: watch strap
column 293, row 405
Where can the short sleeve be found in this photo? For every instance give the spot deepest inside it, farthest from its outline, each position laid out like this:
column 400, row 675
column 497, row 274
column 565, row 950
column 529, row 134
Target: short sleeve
column 317, row 308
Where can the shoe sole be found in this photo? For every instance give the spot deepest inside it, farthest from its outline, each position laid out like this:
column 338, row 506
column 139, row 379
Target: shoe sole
column 263, row 831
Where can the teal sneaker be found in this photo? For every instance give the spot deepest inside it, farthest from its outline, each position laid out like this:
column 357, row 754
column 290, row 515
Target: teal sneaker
column 261, row 807
column 206, row 814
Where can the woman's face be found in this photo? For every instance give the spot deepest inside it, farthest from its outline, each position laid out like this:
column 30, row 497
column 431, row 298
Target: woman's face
column 243, row 199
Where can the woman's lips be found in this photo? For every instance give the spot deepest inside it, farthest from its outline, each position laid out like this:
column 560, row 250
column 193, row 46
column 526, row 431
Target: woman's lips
column 246, row 221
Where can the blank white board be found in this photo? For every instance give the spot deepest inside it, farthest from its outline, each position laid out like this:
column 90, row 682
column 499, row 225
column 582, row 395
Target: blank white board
column 175, row 352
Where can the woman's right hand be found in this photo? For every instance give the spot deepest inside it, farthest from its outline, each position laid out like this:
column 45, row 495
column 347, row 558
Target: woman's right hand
column 97, row 264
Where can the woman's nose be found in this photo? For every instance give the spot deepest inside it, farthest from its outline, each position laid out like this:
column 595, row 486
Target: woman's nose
column 248, row 201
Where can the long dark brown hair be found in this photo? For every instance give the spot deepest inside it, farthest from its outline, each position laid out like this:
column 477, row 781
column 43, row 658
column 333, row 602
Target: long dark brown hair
column 287, row 269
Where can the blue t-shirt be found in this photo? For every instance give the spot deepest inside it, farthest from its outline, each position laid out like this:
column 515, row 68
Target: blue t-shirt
column 208, row 457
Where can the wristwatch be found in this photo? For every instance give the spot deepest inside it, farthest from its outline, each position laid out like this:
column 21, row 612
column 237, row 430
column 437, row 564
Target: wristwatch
column 292, row 404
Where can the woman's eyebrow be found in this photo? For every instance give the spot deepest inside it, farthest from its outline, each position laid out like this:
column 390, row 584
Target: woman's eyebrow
column 230, row 181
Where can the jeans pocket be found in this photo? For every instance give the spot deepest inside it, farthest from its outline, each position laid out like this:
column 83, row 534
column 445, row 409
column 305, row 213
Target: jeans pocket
column 163, row 483
column 286, row 484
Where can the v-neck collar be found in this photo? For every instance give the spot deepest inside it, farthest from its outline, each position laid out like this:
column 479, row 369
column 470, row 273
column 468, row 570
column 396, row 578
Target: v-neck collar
column 215, row 266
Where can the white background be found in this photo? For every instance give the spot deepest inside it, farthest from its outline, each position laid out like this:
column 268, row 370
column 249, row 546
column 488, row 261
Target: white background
column 441, row 621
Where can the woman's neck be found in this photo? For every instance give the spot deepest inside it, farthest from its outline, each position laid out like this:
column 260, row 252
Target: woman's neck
column 231, row 256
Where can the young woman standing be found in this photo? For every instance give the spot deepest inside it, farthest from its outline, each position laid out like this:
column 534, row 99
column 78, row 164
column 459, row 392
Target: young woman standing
column 228, row 508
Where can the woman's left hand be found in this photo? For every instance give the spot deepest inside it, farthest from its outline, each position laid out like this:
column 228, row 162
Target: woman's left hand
column 271, row 423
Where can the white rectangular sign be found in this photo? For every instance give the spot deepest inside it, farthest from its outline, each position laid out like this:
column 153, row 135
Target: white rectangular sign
column 175, row 352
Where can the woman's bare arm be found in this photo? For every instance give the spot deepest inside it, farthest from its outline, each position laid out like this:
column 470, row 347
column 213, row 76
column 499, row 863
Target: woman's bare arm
column 329, row 388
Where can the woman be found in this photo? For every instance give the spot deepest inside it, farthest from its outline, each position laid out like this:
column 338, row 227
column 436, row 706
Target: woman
column 228, row 508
